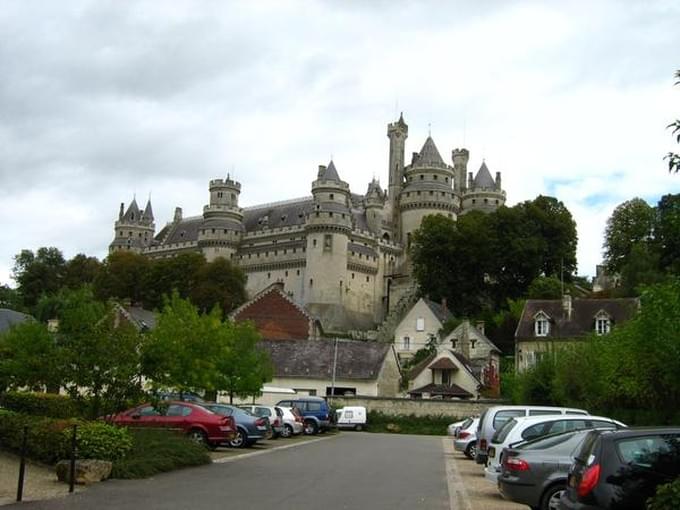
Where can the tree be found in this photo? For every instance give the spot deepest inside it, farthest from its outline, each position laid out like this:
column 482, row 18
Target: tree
column 168, row 274
column 10, row 298
column 122, row 276
column 29, row 357
column 219, row 283
column 632, row 222
column 641, row 268
column 81, row 270
column 667, row 232
column 38, row 273
column 545, row 287
column 673, row 158
column 100, row 353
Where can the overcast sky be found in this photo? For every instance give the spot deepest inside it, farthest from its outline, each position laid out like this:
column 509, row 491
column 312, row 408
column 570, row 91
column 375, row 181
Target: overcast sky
column 101, row 100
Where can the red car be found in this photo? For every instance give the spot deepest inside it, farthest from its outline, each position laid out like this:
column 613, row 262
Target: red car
column 197, row 422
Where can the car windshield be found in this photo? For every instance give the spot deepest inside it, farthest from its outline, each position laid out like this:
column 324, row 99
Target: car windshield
column 503, row 432
column 466, row 423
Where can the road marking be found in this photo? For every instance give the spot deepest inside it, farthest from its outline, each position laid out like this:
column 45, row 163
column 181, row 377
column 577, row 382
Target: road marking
column 458, row 495
column 224, row 460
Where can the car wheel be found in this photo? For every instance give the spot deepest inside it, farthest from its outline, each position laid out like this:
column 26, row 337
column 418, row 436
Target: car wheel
column 471, row 450
column 311, row 428
column 287, row 431
column 240, row 440
column 198, row 436
column 358, row 427
column 551, row 497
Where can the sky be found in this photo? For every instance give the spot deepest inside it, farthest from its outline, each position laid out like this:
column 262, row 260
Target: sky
column 104, row 100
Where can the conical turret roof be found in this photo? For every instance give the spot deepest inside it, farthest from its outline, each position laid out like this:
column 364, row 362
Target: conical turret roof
column 330, row 174
column 132, row 213
column 148, row 211
column 483, row 178
column 374, row 187
column 429, row 155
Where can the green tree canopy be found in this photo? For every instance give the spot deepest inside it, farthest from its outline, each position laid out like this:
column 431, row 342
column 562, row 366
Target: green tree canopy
column 672, row 157
column 169, row 274
column 545, row 287
column 38, row 273
column 667, row 232
column 81, row 270
column 122, row 276
column 219, row 283
column 631, row 223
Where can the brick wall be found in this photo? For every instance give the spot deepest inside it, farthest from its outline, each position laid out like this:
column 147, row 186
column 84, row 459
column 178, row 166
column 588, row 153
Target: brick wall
column 417, row 407
column 276, row 318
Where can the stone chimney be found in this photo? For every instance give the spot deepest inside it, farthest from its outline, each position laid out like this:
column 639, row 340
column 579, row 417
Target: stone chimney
column 465, row 339
column 566, row 306
column 444, row 305
column 480, row 327
column 120, row 212
column 178, row 215
column 322, row 170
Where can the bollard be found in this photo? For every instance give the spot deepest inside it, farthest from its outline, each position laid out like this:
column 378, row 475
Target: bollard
column 22, row 466
column 72, row 478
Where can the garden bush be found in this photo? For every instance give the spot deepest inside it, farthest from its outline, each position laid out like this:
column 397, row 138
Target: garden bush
column 408, row 424
column 156, row 451
column 667, row 497
column 101, row 441
column 39, row 404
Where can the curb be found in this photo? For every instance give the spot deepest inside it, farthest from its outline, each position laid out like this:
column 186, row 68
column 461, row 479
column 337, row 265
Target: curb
column 224, row 460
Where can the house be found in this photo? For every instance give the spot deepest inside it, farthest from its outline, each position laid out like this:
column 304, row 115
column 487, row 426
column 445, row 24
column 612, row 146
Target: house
column 545, row 324
column 479, row 352
column 419, row 326
column 9, row 318
column 141, row 318
column 334, row 367
column 277, row 317
column 443, row 374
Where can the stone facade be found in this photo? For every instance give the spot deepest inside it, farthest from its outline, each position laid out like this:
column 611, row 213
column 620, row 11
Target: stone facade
column 421, row 323
column 336, row 252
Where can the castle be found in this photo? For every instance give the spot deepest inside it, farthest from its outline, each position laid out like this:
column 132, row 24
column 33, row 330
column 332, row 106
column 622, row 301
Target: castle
column 344, row 256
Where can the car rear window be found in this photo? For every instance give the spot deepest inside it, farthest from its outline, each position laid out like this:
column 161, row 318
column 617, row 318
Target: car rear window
column 503, row 432
column 587, row 447
column 313, row 406
column 503, row 416
column 543, row 443
column 658, row 452
column 543, row 412
column 466, row 423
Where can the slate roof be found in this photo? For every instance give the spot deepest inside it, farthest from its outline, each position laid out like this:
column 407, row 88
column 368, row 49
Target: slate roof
column 222, row 223
column 443, row 364
column 360, row 248
column 416, row 370
column 314, row 358
column 9, row 318
column 374, row 187
column 483, row 178
column 148, row 211
column 132, row 211
column 429, row 155
column 442, row 390
column 285, row 214
column 582, row 320
column 330, row 174
column 443, row 314
column 186, row 230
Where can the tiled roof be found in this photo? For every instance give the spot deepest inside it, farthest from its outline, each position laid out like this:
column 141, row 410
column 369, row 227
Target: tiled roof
column 416, row 370
column 443, row 314
column 330, row 174
column 286, row 214
column 483, row 178
column 442, row 390
column 132, row 212
column 314, row 358
column 186, row 230
column 429, row 155
column 582, row 321
column 443, row 364
column 9, row 318
column 148, row 211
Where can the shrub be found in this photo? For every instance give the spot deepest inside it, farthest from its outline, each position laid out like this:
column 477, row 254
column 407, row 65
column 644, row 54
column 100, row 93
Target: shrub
column 667, row 497
column 101, row 441
column 39, row 404
column 156, row 451
column 409, row 424
column 46, row 440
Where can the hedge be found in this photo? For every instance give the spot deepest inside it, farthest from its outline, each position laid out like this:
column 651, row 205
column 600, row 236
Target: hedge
column 40, row 404
column 408, row 424
column 49, row 439
column 667, row 497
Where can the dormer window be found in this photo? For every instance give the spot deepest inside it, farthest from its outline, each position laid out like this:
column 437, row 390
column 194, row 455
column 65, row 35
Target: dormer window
column 603, row 323
column 541, row 324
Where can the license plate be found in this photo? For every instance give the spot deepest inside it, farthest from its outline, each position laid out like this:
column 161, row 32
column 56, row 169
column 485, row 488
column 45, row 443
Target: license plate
column 492, row 453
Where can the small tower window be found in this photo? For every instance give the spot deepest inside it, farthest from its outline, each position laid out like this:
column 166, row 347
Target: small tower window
column 328, row 242
column 331, row 196
column 435, row 177
column 352, row 276
column 314, row 243
column 368, row 279
column 486, row 200
column 422, row 177
column 269, row 275
column 297, row 272
column 286, row 274
column 311, row 282
column 446, row 179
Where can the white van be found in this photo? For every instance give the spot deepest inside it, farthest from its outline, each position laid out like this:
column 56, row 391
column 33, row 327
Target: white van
column 351, row 417
column 494, row 417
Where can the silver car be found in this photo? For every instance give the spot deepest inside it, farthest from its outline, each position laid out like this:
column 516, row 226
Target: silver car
column 293, row 423
column 465, row 439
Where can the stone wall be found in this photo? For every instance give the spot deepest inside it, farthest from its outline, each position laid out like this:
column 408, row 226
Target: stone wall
column 417, row 407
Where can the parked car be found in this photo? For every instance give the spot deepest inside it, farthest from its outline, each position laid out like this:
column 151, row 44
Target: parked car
column 249, row 428
column 453, row 427
column 274, row 416
column 293, row 423
column 465, row 439
column 199, row 423
column 187, row 396
column 351, row 417
column 517, row 430
column 492, row 419
column 621, row 469
column 317, row 415
column 534, row 473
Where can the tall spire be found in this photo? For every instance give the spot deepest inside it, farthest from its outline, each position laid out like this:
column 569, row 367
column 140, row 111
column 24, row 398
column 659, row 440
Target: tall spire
column 429, row 154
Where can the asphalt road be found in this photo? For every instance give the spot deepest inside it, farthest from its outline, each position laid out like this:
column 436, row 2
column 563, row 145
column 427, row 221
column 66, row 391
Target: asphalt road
column 348, row 471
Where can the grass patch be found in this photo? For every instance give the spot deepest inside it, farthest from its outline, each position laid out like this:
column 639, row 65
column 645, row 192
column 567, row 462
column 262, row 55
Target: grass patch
column 157, row 451
column 409, row 424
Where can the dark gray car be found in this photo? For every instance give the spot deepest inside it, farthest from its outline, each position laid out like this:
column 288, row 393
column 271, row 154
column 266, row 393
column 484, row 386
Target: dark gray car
column 249, row 428
column 535, row 473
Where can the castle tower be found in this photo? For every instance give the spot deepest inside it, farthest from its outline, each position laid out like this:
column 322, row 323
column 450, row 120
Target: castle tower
column 428, row 190
column 374, row 203
column 397, row 132
column 328, row 227
column 483, row 193
column 220, row 233
column 134, row 230
column 460, row 160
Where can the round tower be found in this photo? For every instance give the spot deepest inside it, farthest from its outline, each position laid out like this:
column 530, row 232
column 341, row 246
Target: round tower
column 397, row 132
column 220, row 233
column 374, row 203
column 134, row 229
column 483, row 193
column 428, row 190
column 328, row 227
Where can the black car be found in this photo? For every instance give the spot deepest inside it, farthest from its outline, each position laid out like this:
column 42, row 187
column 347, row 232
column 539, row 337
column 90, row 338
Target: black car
column 622, row 469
